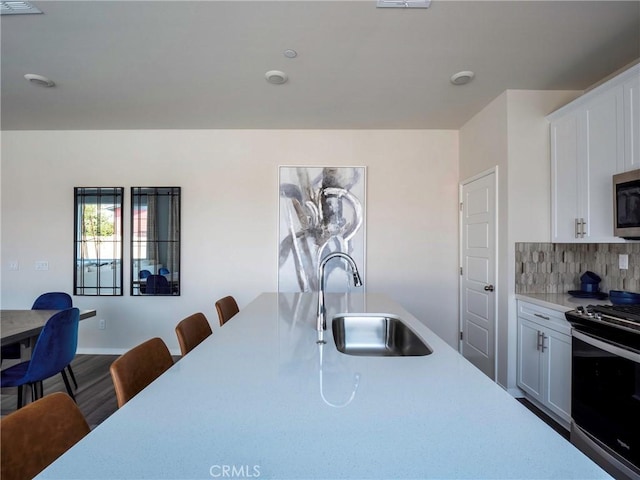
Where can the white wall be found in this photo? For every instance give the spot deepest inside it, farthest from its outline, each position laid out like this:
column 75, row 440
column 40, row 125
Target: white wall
column 229, row 217
column 512, row 133
column 483, row 145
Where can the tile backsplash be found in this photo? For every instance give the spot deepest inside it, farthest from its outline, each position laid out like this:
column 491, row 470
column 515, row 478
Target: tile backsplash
column 557, row 267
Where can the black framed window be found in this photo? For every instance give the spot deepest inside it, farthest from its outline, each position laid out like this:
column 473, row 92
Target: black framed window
column 98, row 241
column 155, row 241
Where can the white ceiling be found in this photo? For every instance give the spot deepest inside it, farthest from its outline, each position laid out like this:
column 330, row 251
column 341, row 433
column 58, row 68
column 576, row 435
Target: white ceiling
column 192, row 65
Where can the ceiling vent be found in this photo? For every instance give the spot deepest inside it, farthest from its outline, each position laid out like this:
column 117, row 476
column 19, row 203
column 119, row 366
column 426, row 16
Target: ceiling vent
column 403, row 3
column 17, row 8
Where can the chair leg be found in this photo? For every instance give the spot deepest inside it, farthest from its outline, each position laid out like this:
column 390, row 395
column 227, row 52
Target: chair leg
column 20, row 399
column 73, row 377
column 67, row 385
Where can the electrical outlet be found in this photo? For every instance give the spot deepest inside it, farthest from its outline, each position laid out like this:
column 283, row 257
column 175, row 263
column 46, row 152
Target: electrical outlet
column 14, row 265
column 42, row 265
column 102, row 324
column 623, row 261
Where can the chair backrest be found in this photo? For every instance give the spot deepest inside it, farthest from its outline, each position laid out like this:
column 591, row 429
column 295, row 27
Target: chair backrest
column 191, row 331
column 56, row 345
column 37, row 434
column 163, row 271
column 157, row 285
column 53, row 301
column 226, row 308
column 136, row 369
column 144, row 273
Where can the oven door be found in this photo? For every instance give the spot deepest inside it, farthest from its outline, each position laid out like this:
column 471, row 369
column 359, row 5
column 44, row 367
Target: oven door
column 605, row 398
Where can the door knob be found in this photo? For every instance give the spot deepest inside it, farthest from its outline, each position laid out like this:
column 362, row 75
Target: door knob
column 488, row 288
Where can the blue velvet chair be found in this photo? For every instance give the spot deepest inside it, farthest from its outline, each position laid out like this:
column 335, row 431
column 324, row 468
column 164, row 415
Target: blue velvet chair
column 55, row 348
column 55, row 301
column 142, row 274
column 163, row 271
column 46, row 301
column 157, row 285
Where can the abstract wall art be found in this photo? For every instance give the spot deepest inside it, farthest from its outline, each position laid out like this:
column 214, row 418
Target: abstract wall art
column 321, row 210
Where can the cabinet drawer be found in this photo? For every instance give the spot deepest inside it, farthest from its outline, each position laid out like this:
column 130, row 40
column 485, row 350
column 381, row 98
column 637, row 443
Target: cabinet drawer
column 545, row 317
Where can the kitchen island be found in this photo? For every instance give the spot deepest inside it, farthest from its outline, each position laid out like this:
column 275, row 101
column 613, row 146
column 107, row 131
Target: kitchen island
column 260, row 398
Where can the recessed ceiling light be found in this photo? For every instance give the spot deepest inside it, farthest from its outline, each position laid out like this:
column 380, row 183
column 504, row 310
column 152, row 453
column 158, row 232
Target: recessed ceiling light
column 462, row 78
column 289, row 53
column 39, row 80
column 17, row 8
column 276, row 77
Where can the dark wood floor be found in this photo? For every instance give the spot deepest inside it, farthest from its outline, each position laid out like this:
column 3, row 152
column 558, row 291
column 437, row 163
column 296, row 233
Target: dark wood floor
column 95, row 394
column 545, row 418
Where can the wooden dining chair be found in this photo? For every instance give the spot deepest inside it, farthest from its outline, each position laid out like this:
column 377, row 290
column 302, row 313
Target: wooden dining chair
column 136, row 369
column 191, row 331
column 37, row 434
column 226, row 308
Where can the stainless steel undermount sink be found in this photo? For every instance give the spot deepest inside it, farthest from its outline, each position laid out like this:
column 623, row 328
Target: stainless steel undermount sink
column 376, row 335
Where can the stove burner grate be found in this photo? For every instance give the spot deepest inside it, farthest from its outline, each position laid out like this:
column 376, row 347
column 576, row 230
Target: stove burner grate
column 628, row 312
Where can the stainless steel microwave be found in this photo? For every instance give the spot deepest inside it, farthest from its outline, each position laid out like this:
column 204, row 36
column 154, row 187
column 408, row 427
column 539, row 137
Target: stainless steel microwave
column 626, row 205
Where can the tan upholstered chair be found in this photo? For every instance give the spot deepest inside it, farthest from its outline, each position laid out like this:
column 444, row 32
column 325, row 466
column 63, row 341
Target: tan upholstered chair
column 227, row 308
column 37, row 434
column 191, row 331
column 137, row 368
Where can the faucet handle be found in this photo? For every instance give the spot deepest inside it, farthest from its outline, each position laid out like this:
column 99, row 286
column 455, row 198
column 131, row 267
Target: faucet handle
column 357, row 281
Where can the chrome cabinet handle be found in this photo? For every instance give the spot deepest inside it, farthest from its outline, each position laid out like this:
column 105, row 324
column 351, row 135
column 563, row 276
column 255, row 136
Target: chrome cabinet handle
column 580, row 228
column 542, row 345
column 539, row 315
column 539, row 345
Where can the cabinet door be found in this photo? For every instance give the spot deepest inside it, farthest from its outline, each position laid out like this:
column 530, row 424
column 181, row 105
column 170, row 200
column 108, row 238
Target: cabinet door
column 605, row 144
column 564, row 178
column 631, row 109
column 557, row 373
column 529, row 375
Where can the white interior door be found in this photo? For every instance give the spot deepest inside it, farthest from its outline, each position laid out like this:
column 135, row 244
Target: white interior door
column 477, row 279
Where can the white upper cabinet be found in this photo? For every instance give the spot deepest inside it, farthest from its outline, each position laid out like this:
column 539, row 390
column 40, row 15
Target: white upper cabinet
column 631, row 96
column 593, row 138
column 565, row 192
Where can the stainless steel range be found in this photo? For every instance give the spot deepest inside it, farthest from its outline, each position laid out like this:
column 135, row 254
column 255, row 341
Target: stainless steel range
column 605, row 386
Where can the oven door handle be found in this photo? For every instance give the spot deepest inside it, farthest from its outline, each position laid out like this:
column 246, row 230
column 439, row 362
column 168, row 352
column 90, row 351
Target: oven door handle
column 607, row 347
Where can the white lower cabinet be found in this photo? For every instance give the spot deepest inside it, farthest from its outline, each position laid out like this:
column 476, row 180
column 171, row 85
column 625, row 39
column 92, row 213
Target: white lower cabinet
column 544, row 360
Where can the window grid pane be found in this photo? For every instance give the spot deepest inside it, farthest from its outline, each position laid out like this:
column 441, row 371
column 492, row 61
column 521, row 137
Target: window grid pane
column 98, row 241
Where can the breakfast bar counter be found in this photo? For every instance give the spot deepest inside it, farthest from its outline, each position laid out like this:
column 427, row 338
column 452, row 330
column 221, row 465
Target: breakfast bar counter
column 260, row 398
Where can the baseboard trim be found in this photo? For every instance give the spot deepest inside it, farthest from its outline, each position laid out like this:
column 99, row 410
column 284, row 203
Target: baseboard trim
column 113, row 351
column 100, row 351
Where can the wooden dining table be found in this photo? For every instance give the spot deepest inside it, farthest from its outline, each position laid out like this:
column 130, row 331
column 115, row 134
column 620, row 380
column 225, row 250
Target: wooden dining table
column 24, row 326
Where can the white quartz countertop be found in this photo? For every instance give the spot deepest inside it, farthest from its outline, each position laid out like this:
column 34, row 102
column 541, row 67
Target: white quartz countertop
column 559, row 301
column 261, row 399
